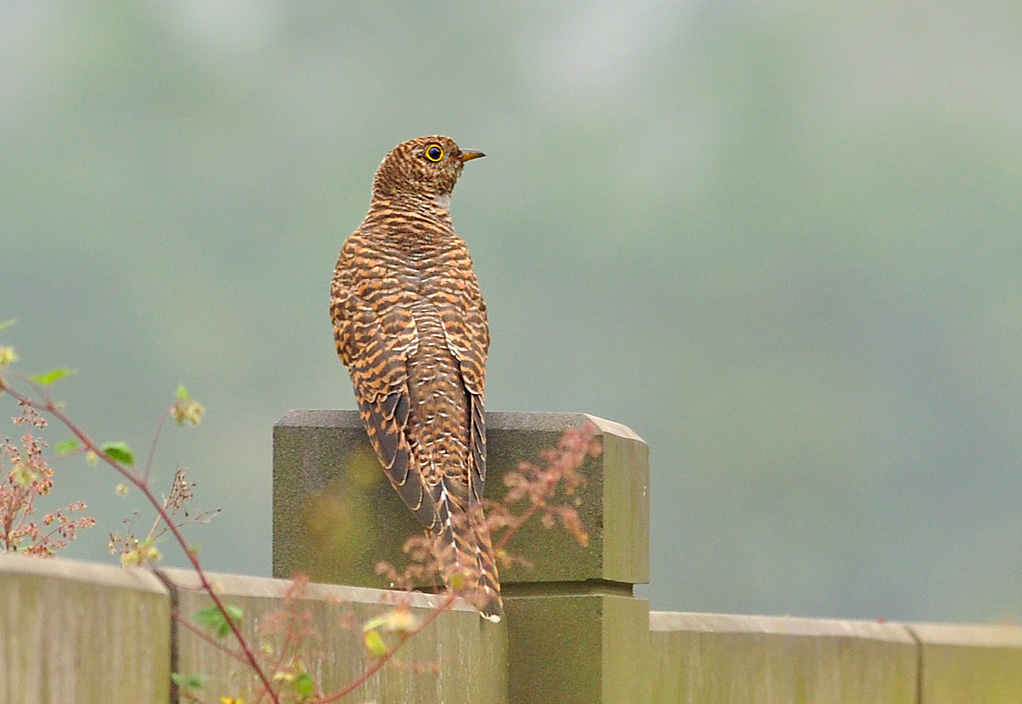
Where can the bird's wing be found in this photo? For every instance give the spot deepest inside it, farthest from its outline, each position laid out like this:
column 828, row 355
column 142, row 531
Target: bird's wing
column 468, row 338
column 375, row 345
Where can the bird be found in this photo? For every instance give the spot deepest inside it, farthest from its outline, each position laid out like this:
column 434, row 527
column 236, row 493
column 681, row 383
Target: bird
column 410, row 325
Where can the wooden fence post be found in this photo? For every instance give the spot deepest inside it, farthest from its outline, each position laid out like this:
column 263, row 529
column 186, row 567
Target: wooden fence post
column 576, row 633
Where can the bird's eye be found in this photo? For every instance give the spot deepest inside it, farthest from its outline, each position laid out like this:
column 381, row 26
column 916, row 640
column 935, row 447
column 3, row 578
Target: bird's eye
column 434, row 152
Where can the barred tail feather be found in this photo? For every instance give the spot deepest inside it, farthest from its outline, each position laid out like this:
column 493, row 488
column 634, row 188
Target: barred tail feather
column 489, row 577
column 465, row 554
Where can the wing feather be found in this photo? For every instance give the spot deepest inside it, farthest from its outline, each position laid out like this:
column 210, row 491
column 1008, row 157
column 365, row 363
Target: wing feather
column 375, row 348
column 466, row 328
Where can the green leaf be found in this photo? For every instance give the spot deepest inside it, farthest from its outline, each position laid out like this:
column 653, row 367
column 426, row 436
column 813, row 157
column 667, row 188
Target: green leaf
column 118, row 452
column 187, row 681
column 51, row 376
column 212, row 618
column 66, row 446
column 181, row 393
column 375, row 644
column 7, row 323
column 304, row 685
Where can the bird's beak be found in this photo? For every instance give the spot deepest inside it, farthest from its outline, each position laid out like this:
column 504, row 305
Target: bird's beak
column 469, row 155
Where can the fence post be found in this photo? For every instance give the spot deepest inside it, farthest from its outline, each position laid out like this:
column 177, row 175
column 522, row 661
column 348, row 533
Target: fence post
column 576, row 633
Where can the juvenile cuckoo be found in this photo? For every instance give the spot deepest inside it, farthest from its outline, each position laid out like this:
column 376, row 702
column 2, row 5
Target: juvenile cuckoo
column 410, row 325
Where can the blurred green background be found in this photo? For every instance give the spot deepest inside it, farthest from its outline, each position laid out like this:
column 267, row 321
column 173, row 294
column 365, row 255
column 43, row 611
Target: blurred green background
column 780, row 240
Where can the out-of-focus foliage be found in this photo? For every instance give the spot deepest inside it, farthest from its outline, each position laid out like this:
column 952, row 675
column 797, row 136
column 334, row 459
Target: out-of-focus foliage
column 779, row 241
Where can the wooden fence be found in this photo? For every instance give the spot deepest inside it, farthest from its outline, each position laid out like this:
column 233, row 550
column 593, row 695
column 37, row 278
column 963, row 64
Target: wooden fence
column 79, row 632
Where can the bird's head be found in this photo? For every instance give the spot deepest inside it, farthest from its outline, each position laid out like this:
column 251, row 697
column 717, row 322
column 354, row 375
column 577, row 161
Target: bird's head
column 425, row 168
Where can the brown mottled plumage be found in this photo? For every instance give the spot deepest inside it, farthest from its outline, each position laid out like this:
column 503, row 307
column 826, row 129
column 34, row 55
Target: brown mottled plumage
column 410, row 325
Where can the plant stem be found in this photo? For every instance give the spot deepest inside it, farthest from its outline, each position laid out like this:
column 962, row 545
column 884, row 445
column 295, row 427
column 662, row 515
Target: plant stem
column 141, row 483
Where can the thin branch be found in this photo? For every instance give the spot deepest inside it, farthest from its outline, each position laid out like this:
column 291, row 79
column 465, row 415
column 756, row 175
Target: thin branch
column 152, row 446
column 141, row 483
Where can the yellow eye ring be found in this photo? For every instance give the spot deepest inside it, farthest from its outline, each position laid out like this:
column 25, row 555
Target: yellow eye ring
column 434, row 152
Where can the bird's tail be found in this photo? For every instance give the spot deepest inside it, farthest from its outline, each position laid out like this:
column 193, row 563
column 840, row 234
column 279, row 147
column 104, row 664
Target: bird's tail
column 466, row 557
